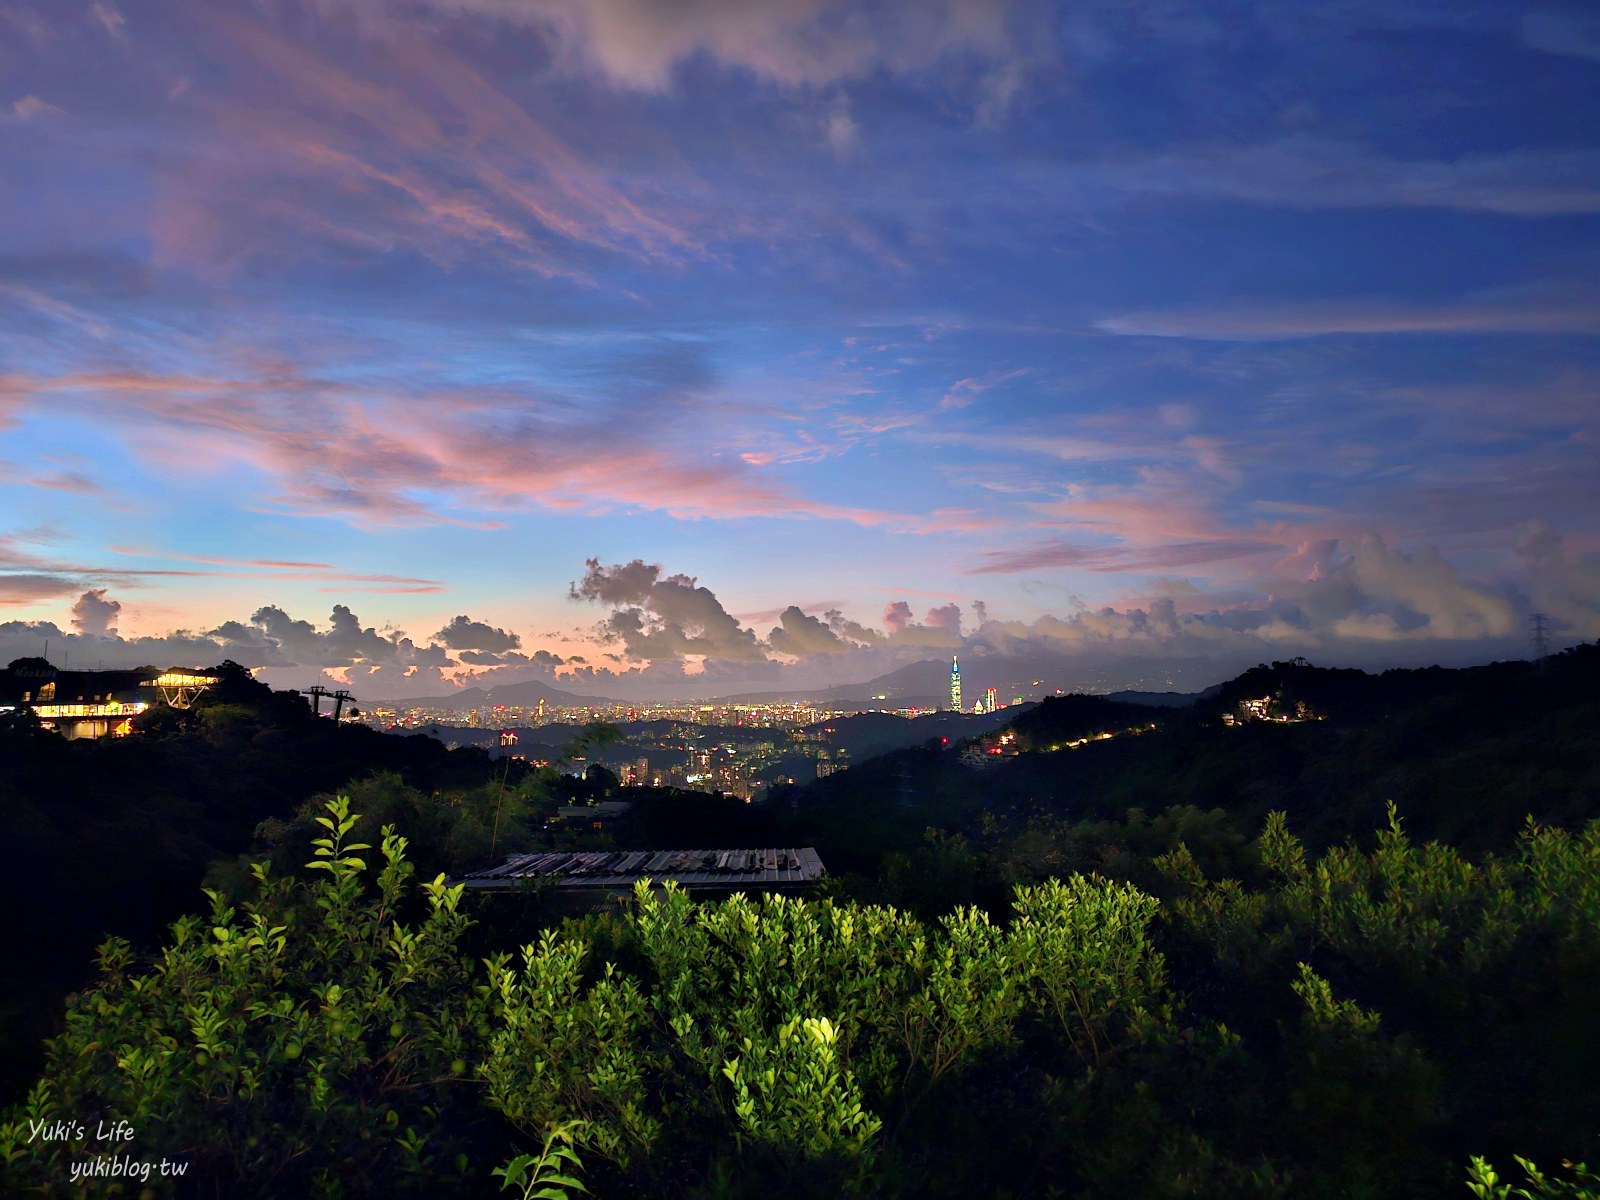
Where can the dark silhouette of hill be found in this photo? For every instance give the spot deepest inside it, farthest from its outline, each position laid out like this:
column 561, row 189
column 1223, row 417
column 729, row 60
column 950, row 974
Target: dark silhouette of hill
column 1164, row 699
column 1468, row 755
column 868, row 734
column 113, row 836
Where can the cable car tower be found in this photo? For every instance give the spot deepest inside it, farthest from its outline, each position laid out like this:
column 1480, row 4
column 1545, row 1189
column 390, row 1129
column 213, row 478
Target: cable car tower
column 340, row 698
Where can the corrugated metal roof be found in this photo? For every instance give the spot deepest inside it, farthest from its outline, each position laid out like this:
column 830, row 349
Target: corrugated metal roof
column 623, row 868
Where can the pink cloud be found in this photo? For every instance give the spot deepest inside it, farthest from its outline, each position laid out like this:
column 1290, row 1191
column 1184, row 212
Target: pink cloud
column 396, row 143
column 1112, row 559
column 896, row 616
column 367, row 455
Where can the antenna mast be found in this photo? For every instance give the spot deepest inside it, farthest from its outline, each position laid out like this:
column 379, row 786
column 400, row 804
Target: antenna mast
column 1539, row 634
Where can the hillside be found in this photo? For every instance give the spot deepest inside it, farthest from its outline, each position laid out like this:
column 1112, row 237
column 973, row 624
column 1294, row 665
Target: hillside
column 1295, row 937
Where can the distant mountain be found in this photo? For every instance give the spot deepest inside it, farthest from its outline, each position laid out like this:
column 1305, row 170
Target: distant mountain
column 919, row 684
column 926, row 684
column 512, row 695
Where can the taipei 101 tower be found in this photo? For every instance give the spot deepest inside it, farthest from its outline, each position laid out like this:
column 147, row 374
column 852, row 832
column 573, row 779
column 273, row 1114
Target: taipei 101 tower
column 955, row 684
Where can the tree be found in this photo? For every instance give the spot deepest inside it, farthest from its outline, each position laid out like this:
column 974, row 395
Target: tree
column 312, row 1043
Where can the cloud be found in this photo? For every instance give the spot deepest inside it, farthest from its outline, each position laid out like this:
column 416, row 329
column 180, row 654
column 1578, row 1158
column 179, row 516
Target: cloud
column 1306, row 172
column 31, row 587
column 802, row 635
column 1560, row 31
column 834, row 634
column 1286, row 321
column 385, row 457
column 31, row 108
column 1421, row 591
column 638, row 43
column 844, row 134
column 664, row 617
column 366, row 145
column 896, row 616
column 946, row 617
column 344, row 644
column 941, row 628
column 1333, row 597
column 489, row 658
column 964, row 391
column 851, row 631
column 94, row 615
column 464, row 634
column 110, row 19
column 20, row 639
column 1565, row 588
column 1537, row 542
column 1111, row 559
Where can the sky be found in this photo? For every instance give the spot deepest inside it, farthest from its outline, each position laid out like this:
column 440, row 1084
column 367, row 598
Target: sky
column 695, row 347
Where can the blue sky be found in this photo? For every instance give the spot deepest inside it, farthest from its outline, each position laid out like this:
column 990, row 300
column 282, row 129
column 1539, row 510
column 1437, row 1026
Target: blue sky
column 1151, row 332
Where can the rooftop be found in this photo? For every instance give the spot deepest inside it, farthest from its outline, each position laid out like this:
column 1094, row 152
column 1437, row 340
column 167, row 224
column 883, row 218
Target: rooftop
column 609, row 870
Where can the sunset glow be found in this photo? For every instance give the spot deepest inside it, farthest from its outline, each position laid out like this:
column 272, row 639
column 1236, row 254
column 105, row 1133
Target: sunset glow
column 703, row 348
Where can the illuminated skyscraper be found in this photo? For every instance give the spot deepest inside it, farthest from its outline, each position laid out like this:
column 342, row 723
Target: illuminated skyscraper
column 991, row 700
column 955, row 684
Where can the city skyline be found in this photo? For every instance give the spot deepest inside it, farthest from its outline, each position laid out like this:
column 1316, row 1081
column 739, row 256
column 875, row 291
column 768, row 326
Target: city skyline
column 659, row 350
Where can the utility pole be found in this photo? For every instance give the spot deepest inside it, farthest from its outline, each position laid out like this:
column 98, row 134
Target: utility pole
column 1539, row 634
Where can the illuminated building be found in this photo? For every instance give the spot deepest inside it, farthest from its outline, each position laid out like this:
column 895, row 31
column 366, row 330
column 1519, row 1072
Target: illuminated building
column 179, row 688
column 991, row 699
column 955, row 683
column 90, row 704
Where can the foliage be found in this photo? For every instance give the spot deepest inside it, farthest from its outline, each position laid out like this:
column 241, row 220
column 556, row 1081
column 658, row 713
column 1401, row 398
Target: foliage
column 547, row 1175
column 314, row 1042
column 1486, row 1185
column 1106, row 972
column 799, row 1035
column 113, row 836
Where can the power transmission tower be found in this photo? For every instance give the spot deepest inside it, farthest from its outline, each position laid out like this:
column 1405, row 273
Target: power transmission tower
column 1539, row 634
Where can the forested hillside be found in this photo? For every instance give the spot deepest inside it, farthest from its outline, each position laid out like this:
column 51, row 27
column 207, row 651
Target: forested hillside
column 1351, row 953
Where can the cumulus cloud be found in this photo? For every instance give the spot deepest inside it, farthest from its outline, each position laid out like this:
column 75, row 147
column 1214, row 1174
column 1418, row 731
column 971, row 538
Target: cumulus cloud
column 896, row 616
column 345, row 643
column 800, row 634
column 946, row 617
column 22, row 639
column 274, row 639
column 1565, row 588
column 851, row 631
column 94, row 615
column 1358, row 600
column 664, row 617
column 464, row 634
